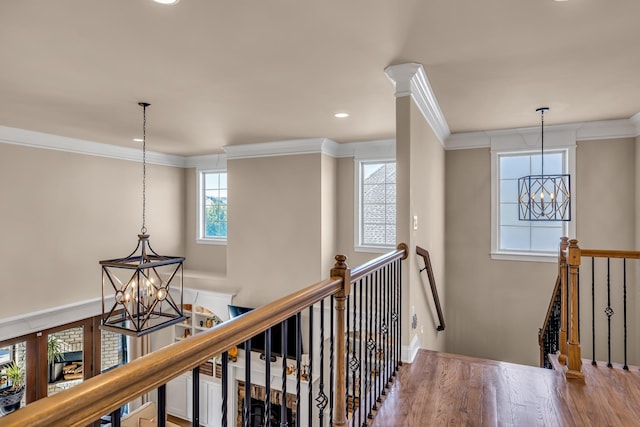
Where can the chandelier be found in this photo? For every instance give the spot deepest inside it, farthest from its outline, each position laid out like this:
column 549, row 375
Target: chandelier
column 143, row 290
column 544, row 197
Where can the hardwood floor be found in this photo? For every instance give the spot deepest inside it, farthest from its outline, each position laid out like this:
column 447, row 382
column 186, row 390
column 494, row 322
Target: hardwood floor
column 441, row 389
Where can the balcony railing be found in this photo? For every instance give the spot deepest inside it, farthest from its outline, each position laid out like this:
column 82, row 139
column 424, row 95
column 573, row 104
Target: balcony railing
column 353, row 353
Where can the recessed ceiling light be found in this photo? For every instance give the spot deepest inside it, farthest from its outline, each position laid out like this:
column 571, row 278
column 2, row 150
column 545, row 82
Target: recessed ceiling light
column 341, row 115
column 137, row 139
column 166, row 1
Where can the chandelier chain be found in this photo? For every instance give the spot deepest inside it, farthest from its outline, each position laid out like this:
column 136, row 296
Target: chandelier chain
column 143, row 229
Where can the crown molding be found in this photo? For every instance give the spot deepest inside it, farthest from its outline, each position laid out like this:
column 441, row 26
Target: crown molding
column 378, row 149
column 282, row 148
column 27, row 138
column 207, row 162
column 588, row 131
column 411, row 79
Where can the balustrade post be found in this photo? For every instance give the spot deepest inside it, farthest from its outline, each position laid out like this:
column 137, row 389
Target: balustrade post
column 574, row 357
column 341, row 269
column 562, row 271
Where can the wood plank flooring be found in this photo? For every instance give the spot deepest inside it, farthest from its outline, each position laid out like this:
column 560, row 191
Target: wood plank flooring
column 441, row 389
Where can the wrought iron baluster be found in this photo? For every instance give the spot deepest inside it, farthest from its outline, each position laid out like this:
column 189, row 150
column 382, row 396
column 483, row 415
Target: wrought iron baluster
column 162, row 405
column 378, row 339
column 298, row 364
column 624, row 302
column 225, row 385
column 370, row 348
column 394, row 319
column 331, row 360
column 310, row 391
column 399, row 309
column 321, row 400
column 347, row 354
column 353, row 365
column 609, row 312
column 246, row 413
column 267, row 376
column 283, row 346
column 593, row 311
column 195, row 393
column 360, row 338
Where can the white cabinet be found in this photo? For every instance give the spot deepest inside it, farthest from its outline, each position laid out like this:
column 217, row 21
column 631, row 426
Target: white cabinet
column 180, row 399
column 177, row 396
column 199, row 306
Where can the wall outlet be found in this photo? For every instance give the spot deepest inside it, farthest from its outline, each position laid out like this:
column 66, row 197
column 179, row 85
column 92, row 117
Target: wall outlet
column 414, row 321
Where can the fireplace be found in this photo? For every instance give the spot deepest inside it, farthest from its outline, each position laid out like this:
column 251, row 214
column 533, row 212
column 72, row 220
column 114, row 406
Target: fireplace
column 257, row 412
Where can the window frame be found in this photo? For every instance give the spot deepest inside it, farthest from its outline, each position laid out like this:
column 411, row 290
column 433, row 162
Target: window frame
column 359, row 246
column 558, row 142
column 200, row 215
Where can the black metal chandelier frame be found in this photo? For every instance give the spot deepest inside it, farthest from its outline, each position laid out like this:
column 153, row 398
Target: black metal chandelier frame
column 533, row 189
column 141, row 283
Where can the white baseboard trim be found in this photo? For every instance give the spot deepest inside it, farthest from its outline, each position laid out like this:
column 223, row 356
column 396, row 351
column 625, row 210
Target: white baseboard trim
column 409, row 352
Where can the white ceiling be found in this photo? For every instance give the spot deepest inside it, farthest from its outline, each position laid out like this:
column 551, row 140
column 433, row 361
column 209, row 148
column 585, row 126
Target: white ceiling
column 227, row 72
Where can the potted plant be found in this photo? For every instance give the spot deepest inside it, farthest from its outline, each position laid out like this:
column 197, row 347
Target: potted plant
column 11, row 395
column 54, row 354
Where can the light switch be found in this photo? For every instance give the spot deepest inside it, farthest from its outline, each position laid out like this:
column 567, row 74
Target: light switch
column 415, row 222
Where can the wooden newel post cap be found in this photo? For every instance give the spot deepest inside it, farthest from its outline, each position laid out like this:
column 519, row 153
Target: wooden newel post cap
column 574, row 253
column 341, row 262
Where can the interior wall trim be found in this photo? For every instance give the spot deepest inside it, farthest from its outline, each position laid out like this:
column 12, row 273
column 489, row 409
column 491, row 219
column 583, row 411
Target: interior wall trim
column 588, row 131
column 28, row 138
column 410, row 79
column 37, row 321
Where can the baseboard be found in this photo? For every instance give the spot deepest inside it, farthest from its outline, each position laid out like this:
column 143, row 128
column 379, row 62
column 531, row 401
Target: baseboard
column 409, row 352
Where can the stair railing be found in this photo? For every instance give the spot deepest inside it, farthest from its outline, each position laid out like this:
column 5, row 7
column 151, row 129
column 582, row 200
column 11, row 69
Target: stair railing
column 608, row 271
column 432, row 283
column 343, row 400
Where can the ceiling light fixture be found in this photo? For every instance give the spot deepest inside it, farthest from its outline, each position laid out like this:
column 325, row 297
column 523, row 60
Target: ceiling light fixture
column 341, row 115
column 544, row 197
column 144, row 289
column 166, row 1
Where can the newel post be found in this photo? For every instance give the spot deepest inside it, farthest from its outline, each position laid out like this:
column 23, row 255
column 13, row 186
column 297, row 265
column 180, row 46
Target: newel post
column 341, row 269
column 574, row 357
column 562, row 272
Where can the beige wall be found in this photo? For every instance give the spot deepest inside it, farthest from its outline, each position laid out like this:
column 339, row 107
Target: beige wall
column 607, row 220
column 329, row 214
column 494, row 308
column 420, row 162
column 202, row 259
column 62, row 213
column 274, row 226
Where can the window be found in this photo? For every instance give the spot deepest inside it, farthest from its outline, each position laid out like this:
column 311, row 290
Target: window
column 212, row 207
column 511, row 237
column 6, row 355
column 376, row 189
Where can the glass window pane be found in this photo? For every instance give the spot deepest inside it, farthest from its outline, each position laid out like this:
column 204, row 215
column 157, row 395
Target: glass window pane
column 545, row 238
column 515, row 238
column 66, row 370
column 522, row 235
column 214, row 205
column 513, row 167
column 509, row 190
column 211, row 180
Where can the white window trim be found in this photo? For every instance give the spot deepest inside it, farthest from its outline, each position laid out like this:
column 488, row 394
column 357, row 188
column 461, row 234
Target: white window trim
column 357, row 209
column 200, row 209
column 527, row 142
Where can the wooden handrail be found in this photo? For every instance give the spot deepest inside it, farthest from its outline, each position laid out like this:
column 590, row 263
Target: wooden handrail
column 432, row 282
column 606, row 253
column 402, row 251
column 107, row 392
